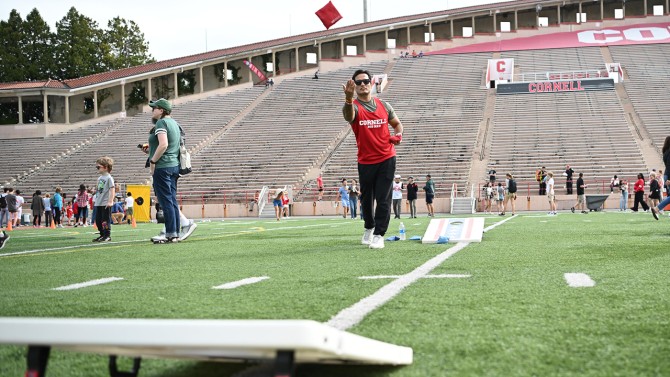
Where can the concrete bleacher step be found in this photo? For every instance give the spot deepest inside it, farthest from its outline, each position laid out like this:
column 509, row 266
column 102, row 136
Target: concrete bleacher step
column 463, row 206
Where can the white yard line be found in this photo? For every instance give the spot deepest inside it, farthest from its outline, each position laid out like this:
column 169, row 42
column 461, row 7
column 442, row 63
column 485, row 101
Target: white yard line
column 354, row 314
column 86, row 284
column 88, row 244
column 440, row 276
column 578, row 279
column 239, row 283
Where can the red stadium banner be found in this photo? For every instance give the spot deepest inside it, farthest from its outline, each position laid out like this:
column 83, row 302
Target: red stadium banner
column 328, row 15
column 255, row 70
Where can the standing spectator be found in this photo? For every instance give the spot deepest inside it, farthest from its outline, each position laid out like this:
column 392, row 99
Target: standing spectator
column 412, row 195
column 369, row 118
column 57, row 206
column 12, row 205
column 551, row 193
column 105, row 199
column 397, row 196
column 654, row 192
column 666, row 178
column 82, row 205
column 319, row 184
column 164, row 140
column 278, row 204
column 429, row 189
column 581, row 197
column 37, row 206
column 511, row 193
column 540, row 175
column 638, row 189
column 48, row 211
column 284, row 202
column 492, row 175
column 68, row 213
column 343, row 196
column 568, row 178
column 500, row 199
column 488, row 197
column 623, row 202
column 354, row 191
column 20, row 200
column 4, row 213
column 130, row 207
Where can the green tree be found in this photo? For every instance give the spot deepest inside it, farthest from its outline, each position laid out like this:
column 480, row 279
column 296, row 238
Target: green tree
column 38, row 48
column 80, row 50
column 126, row 43
column 12, row 59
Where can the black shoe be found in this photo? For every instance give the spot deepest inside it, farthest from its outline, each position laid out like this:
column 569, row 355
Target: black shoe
column 105, row 239
column 572, row 209
column 3, row 239
column 584, row 212
column 98, row 239
column 654, row 212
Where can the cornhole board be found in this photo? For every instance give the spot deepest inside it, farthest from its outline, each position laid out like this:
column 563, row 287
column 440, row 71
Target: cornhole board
column 285, row 341
column 468, row 229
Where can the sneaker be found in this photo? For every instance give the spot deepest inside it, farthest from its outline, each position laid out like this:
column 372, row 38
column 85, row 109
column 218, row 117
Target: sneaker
column 105, row 239
column 367, row 237
column 97, row 239
column 3, row 239
column 572, row 209
column 654, row 212
column 76, row 225
column 377, row 242
column 159, row 237
column 187, row 230
column 59, row 226
column 584, row 212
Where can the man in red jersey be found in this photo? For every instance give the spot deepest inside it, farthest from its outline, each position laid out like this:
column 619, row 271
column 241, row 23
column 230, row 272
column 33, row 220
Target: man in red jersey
column 369, row 119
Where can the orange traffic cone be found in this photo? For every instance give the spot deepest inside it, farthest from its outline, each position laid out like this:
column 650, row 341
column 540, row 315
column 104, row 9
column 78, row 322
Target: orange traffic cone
column 9, row 225
column 134, row 224
column 53, row 224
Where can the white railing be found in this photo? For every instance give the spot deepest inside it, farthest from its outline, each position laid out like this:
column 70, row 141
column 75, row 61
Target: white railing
column 555, row 76
column 262, row 199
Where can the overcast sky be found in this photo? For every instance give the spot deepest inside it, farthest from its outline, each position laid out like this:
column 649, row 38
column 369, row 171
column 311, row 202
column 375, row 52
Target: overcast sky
column 180, row 28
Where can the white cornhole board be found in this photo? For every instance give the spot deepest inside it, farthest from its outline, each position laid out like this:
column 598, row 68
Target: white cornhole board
column 212, row 340
column 458, row 230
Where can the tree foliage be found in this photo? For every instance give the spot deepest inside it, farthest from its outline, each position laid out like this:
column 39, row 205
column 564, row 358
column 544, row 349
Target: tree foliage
column 29, row 50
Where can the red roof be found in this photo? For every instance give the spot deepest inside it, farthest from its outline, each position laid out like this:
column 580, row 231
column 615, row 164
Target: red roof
column 146, row 68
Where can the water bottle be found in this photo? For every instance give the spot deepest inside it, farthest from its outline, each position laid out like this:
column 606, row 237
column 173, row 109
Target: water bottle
column 402, row 231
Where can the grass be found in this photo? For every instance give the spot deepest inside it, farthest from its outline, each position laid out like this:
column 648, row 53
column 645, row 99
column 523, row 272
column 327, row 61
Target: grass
column 514, row 316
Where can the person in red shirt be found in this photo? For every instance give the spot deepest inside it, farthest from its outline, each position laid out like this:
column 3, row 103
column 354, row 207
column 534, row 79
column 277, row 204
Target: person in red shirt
column 639, row 193
column 370, row 119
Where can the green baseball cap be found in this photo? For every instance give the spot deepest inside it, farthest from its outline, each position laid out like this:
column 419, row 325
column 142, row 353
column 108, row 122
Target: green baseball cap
column 161, row 103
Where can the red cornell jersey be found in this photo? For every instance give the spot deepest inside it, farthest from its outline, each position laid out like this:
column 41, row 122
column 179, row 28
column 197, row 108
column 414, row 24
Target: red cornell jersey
column 372, row 134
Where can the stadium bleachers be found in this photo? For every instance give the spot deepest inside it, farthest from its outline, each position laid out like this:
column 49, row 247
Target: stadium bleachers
column 439, row 100
column 200, row 119
column 648, row 69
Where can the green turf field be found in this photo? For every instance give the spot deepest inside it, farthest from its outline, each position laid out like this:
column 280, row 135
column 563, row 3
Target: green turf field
column 514, row 316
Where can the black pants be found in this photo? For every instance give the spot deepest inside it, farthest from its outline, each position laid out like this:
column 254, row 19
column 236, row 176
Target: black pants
column 103, row 220
column 37, row 219
column 568, row 186
column 376, row 186
column 57, row 215
column 639, row 198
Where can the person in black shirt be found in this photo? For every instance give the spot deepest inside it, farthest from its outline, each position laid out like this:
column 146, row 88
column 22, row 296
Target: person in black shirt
column 580, row 194
column 492, row 175
column 412, row 195
column 568, row 178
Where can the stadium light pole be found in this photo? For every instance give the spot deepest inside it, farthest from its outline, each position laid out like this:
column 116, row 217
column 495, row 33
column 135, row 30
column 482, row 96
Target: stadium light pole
column 365, row 10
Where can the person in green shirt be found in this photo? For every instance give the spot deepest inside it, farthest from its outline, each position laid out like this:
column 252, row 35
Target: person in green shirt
column 164, row 140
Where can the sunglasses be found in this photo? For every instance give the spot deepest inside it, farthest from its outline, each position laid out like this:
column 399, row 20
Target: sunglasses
column 364, row 81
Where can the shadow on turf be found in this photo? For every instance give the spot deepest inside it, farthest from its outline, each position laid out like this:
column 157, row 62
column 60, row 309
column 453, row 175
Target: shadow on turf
column 213, row 369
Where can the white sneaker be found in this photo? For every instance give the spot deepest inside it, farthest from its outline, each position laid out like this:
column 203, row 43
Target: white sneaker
column 367, row 237
column 159, row 237
column 187, row 230
column 377, row 242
